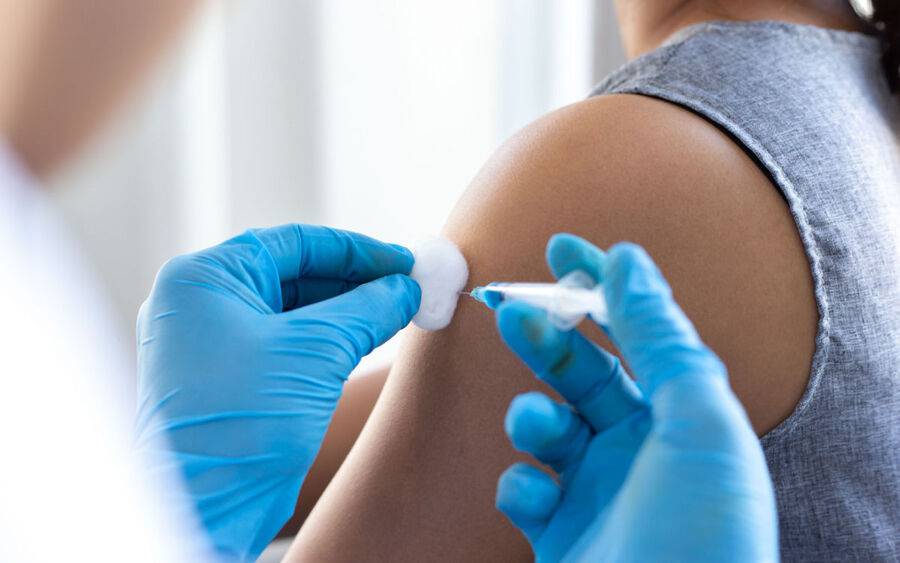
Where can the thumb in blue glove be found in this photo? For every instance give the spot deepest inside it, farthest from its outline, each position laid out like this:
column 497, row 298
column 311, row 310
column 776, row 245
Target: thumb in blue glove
column 243, row 350
column 668, row 469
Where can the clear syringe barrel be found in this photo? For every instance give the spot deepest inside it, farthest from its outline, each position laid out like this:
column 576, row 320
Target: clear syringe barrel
column 567, row 302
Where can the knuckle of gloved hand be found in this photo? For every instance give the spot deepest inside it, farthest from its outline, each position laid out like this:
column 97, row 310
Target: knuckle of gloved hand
column 142, row 315
column 174, row 269
column 399, row 291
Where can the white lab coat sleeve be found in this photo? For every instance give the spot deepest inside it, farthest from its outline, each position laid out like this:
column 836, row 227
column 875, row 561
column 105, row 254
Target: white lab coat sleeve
column 71, row 488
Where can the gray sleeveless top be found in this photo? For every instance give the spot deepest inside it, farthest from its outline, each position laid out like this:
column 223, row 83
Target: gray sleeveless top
column 812, row 107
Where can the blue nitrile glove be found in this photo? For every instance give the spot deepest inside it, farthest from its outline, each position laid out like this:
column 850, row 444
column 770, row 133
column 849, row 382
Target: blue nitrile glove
column 665, row 470
column 243, row 350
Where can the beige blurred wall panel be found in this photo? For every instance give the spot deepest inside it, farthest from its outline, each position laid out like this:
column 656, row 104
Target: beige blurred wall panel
column 608, row 52
column 371, row 116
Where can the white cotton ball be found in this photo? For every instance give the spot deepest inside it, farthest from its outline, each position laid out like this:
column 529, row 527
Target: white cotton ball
column 441, row 271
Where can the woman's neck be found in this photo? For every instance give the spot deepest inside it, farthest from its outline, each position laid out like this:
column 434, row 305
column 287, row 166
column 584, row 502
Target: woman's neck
column 645, row 24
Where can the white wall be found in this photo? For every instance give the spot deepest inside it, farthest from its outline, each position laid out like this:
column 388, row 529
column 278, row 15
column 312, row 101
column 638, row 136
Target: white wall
column 371, row 116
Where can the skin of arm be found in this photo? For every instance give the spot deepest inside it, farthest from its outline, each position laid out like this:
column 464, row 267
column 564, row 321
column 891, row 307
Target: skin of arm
column 419, row 483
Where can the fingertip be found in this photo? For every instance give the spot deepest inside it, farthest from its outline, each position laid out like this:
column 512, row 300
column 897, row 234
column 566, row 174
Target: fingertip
column 628, row 265
column 624, row 255
column 404, row 256
column 627, row 247
column 386, row 304
column 567, row 253
column 526, row 494
column 630, row 276
column 407, row 292
column 513, row 482
column 563, row 245
column 413, row 288
column 142, row 312
column 532, row 421
column 533, row 402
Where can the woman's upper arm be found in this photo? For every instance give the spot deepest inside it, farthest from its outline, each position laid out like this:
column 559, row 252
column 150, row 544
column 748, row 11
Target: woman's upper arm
column 419, row 484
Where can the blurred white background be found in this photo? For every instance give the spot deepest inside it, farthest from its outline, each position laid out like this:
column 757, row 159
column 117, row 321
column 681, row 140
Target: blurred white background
column 370, row 116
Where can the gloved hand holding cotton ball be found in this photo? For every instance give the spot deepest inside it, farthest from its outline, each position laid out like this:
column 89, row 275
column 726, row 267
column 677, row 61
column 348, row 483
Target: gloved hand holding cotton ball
column 441, row 272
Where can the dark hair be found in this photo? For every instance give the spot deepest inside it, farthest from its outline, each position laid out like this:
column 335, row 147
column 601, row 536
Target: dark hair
column 886, row 18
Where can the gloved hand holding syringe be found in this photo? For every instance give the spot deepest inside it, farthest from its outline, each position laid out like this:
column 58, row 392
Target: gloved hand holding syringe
column 659, row 464
column 567, row 302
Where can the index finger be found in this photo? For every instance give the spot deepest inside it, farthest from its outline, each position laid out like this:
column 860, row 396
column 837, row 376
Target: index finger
column 589, row 378
column 302, row 251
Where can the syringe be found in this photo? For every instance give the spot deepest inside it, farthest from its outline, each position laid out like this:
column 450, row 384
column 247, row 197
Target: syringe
column 567, row 301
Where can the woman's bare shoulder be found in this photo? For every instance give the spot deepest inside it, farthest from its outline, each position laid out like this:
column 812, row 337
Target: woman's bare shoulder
column 629, row 167
column 419, row 483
